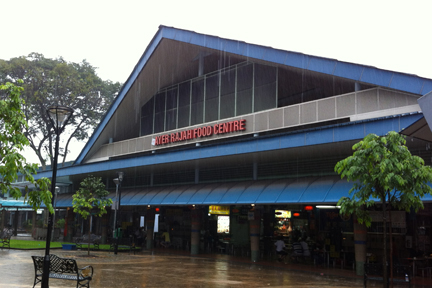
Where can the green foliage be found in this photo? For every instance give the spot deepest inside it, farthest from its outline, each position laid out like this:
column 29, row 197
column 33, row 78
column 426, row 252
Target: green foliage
column 57, row 82
column 91, row 198
column 383, row 169
column 12, row 143
column 60, row 223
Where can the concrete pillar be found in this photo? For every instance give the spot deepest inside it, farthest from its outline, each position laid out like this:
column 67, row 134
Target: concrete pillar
column 104, row 230
column 15, row 222
column 360, row 235
column 196, row 216
column 150, row 219
column 254, row 231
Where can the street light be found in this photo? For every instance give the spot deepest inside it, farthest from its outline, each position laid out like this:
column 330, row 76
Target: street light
column 117, row 181
column 57, row 189
column 59, row 116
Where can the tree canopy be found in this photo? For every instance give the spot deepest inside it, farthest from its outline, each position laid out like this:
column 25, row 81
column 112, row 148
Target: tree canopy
column 58, row 82
column 91, row 199
column 382, row 169
column 12, row 143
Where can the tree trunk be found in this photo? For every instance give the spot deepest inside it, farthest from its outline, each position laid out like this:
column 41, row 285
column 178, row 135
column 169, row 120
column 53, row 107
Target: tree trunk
column 88, row 244
column 384, row 260
column 391, row 245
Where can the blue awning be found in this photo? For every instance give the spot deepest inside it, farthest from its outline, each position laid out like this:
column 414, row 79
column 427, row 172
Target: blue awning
column 313, row 190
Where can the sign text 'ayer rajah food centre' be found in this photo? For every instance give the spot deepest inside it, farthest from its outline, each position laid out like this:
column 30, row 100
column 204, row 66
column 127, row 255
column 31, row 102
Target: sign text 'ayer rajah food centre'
column 206, row 131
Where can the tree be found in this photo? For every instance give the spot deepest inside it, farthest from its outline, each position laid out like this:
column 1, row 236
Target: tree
column 12, row 143
column 57, row 82
column 382, row 168
column 91, row 199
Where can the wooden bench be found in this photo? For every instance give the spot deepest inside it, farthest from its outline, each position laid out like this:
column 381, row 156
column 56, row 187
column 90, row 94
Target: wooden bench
column 84, row 241
column 63, row 268
column 5, row 239
column 374, row 271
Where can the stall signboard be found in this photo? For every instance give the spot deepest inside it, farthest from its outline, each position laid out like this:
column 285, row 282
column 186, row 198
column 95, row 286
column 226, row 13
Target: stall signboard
column 282, row 214
column 219, row 210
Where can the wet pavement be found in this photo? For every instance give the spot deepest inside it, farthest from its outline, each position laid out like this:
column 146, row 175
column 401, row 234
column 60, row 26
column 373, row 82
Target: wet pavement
column 172, row 268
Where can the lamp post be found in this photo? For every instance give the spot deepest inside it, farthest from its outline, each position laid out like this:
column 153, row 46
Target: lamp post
column 59, row 116
column 57, row 189
column 117, row 181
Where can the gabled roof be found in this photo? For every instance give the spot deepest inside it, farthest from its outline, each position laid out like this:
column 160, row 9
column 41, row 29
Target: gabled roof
column 366, row 74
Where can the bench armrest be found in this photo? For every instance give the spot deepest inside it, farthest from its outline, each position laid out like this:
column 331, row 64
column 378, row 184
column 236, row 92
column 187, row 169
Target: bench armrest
column 86, row 271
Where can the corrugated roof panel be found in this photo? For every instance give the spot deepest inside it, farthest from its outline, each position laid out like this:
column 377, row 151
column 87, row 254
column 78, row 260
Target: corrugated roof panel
column 294, row 191
column 321, row 65
column 146, row 199
column 201, row 194
column 271, row 193
column 297, row 60
column 160, row 196
column 348, row 70
column 234, row 193
column 252, row 192
column 172, row 196
column 256, row 51
column 407, row 83
column 376, row 76
column 216, row 195
column 317, row 191
column 276, row 56
column 127, row 195
column 340, row 189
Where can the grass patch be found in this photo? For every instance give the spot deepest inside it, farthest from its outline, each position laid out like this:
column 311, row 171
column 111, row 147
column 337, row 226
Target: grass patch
column 30, row 244
column 35, row 244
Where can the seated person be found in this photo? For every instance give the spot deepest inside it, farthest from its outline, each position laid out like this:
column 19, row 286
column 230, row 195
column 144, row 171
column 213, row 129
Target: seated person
column 305, row 247
column 297, row 250
column 166, row 239
column 280, row 245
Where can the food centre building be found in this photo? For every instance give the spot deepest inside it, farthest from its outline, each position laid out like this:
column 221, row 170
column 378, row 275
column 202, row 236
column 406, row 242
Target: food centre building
column 227, row 145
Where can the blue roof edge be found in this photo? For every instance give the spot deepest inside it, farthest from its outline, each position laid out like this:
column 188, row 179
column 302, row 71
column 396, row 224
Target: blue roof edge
column 395, row 80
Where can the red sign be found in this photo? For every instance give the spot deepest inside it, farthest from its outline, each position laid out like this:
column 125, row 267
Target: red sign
column 206, row 131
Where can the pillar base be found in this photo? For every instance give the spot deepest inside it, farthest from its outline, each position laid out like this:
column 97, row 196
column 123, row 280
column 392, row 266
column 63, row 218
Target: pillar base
column 360, row 268
column 149, row 244
column 194, row 249
column 255, row 256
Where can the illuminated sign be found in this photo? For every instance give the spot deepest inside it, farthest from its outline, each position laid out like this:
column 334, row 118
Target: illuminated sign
column 282, row 214
column 219, row 210
column 206, row 131
column 308, row 208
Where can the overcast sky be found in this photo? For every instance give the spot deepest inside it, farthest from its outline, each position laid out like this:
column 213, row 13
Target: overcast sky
column 112, row 35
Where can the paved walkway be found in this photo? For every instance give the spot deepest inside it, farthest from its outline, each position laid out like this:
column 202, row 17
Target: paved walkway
column 173, row 268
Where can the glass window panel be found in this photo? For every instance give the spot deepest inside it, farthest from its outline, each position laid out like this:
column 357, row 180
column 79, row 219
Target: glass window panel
column 244, row 102
column 146, row 125
column 183, row 117
column 244, row 77
column 227, row 104
column 147, row 108
column 184, row 94
column 264, row 75
column 171, row 119
column 212, row 87
column 265, row 97
column 160, row 102
column 212, row 109
column 197, row 113
column 159, row 122
column 198, row 91
column 228, row 82
column 171, row 99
